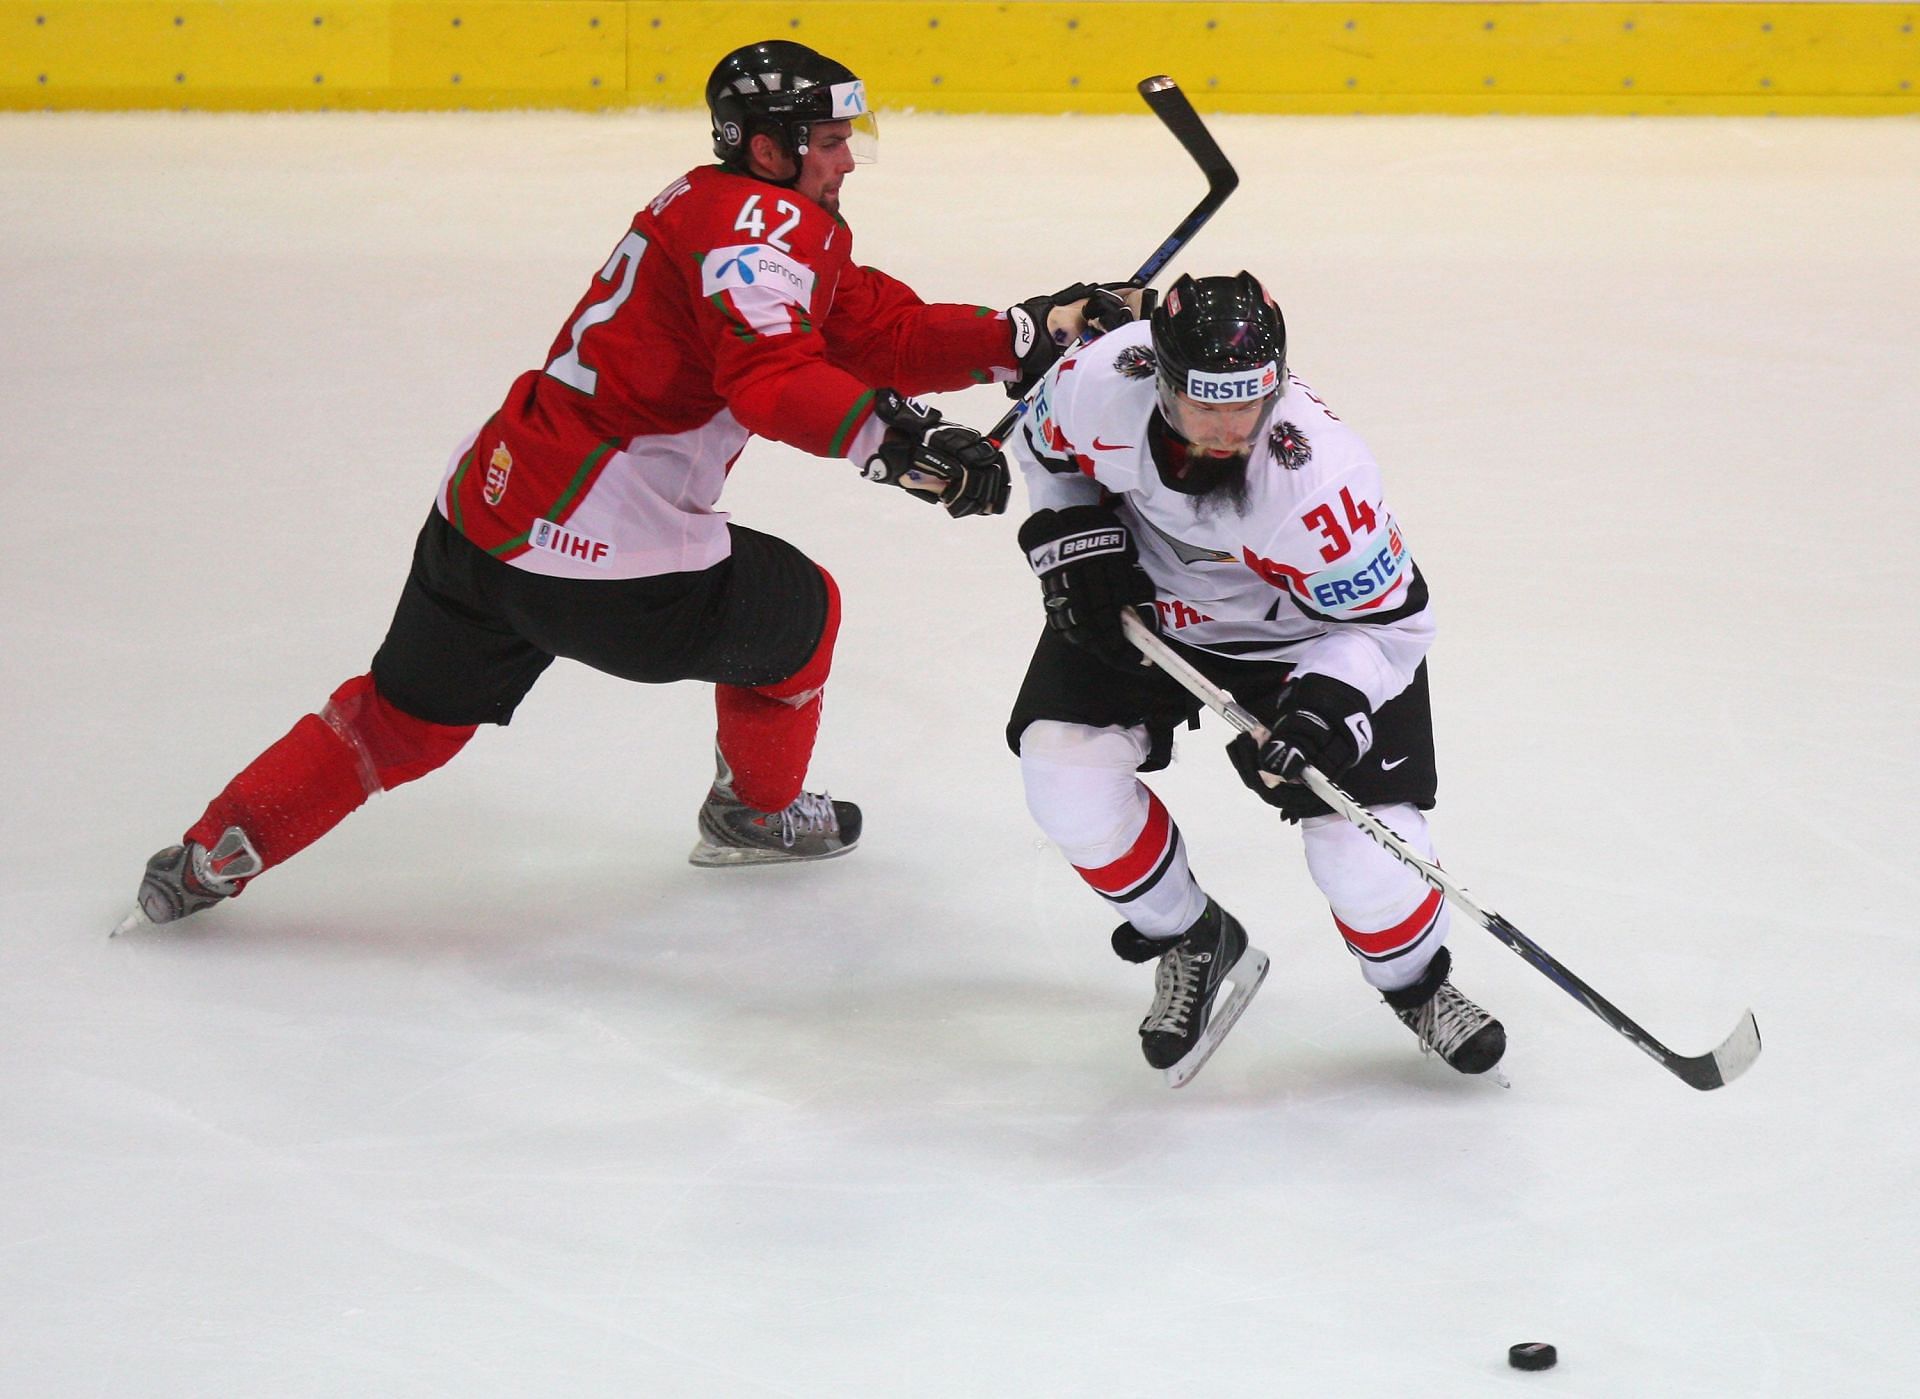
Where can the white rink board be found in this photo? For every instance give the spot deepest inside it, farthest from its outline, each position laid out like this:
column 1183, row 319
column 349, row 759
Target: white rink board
column 491, row 1094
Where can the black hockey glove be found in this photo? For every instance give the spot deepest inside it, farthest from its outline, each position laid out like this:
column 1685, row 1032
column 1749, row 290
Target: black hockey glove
column 936, row 460
column 1321, row 722
column 1089, row 571
column 1045, row 326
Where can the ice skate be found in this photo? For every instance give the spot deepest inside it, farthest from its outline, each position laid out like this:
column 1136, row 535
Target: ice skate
column 811, row 827
column 1190, row 1016
column 1446, row 1022
column 183, row 879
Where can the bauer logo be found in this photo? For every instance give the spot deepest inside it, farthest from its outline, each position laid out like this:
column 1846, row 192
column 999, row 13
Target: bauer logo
column 1107, row 541
column 1239, row 386
column 751, row 266
column 570, row 544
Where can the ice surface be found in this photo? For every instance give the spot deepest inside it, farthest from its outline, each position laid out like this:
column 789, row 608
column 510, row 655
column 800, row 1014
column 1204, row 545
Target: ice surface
column 491, row 1094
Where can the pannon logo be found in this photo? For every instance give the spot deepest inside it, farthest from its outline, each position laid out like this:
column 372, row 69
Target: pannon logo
column 739, row 260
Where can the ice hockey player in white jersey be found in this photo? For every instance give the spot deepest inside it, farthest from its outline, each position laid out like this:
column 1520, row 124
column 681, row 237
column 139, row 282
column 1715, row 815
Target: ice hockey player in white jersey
column 1175, row 467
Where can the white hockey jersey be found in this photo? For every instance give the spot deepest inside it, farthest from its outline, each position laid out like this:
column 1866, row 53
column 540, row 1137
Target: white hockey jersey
column 1314, row 571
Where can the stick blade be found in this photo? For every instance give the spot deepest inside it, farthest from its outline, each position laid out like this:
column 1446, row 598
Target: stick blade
column 1739, row 1049
column 1732, row 1057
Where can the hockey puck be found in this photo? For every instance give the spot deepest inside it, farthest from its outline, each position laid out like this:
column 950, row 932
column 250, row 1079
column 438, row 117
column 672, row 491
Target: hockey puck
column 1532, row 1355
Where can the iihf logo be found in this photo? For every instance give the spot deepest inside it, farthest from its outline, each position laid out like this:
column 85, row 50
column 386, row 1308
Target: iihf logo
column 1136, row 362
column 1289, row 446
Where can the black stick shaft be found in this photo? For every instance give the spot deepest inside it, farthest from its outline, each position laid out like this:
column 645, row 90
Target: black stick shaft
column 1164, row 97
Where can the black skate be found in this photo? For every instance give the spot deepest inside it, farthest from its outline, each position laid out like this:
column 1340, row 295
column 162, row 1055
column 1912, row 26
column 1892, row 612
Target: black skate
column 812, row 827
column 1189, row 1016
column 1447, row 1023
column 183, row 879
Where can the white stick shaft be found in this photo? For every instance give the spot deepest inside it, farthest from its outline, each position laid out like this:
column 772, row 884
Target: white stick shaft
column 1734, row 1055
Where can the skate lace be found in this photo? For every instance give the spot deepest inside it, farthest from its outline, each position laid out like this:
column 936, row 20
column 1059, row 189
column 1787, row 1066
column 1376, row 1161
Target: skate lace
column 1446, row 1022
column 807, row 813
column 1176, row 985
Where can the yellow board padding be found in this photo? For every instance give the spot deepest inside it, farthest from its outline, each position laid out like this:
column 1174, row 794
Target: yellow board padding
column 970, row 55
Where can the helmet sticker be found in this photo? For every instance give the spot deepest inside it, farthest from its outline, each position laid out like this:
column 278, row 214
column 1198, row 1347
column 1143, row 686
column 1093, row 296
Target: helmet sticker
column 849, row 99
column 1233, row 386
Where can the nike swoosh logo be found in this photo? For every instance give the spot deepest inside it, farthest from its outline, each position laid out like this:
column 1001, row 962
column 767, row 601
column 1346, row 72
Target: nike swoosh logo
column 1386, row 766
column 1100, row 446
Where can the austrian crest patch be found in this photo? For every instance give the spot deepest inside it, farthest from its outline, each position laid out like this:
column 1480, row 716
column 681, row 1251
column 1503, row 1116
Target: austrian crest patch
column 1289, row 446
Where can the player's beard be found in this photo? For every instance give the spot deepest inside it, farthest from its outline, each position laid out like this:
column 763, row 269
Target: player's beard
column 1216, row 484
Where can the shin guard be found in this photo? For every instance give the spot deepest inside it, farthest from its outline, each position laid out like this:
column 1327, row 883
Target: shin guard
column 1389, row 917
column 323, row 769
column 766, row 732
column 1082, row 792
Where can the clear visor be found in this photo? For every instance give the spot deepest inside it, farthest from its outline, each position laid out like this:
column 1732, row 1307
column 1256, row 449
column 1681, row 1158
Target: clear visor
column 849, row 104
column 861, row 134
column 864, row 140
column 1222, row 414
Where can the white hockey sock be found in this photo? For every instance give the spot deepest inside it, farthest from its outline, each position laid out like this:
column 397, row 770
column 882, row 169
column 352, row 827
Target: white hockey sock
column 1083, row 794
column 1391, row 920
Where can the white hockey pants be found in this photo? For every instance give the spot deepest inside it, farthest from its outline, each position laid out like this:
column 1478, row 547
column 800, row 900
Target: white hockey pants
column 1083, row 791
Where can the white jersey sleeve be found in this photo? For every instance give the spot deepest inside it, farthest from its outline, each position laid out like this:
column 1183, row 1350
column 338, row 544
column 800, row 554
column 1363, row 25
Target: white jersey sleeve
column 1051, row 465
column 1310, row 567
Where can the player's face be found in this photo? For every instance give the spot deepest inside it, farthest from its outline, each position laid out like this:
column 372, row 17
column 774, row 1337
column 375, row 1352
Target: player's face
column 828, row 161
column 1219, row 429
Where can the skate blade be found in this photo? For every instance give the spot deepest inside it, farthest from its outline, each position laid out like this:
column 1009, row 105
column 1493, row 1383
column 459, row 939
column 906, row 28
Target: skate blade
column 709, row 856
column 132, row 922
column 1244, row 979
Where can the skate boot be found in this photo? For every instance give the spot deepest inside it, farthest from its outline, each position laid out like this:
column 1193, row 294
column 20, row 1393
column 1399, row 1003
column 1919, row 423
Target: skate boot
column 1447, row 1023
column 812, row 827
column 183, row 879
column 1190, row 1016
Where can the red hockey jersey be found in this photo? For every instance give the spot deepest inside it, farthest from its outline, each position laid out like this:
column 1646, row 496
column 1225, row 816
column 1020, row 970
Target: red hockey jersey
column 731, row 308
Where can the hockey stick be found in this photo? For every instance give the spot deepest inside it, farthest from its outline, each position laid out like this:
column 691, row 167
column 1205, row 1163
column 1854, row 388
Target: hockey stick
column 1732, row 1057
column 1163, row 95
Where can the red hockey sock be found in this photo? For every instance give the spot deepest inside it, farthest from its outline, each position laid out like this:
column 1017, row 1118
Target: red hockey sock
column 766, row 732
column 323, row 769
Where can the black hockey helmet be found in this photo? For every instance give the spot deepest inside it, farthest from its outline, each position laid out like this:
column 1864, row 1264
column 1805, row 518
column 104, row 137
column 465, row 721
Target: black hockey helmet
column 783, row 88
column 1220, row 345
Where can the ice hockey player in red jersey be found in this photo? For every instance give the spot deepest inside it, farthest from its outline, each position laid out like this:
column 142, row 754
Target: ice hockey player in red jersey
column 581, row 520
column 1175, row 467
